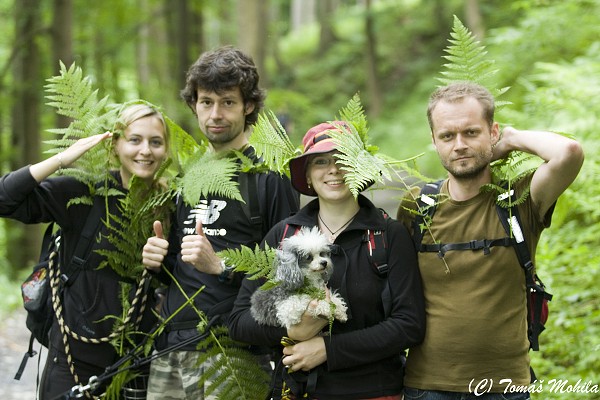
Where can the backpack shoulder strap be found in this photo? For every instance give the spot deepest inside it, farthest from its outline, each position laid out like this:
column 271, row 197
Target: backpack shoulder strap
column 511, row 221
column 287, row 232
column 81, row 253
column 426, row 205
column 537, row 295
column 378, row 248
column 377, row 242
column 248, row 183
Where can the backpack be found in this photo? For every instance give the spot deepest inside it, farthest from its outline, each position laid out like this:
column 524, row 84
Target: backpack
column 36, row 290
column 537, row 296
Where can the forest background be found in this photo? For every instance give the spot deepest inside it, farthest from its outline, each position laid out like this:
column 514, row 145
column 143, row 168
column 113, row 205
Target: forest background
column 313, row 56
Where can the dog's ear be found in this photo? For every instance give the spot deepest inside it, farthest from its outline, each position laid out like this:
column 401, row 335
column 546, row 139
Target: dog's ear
column 287, row 271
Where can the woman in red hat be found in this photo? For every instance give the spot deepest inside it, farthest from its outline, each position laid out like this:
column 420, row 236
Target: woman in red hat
column 363, row 357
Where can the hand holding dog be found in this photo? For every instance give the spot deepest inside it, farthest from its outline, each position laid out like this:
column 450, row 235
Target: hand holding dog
column 155, row 249
column 305, row 355
column 309, row 326
column 197, row 250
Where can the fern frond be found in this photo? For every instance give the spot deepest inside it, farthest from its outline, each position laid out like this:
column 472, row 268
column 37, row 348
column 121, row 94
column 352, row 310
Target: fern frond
column 354, row 113
column 257, row 263
column 129, row 229
column 272, row 143
column 73, row 96
column 467, row 58
column 358, row 158
column 207, row 173
column 233, row 372
column 182, row 145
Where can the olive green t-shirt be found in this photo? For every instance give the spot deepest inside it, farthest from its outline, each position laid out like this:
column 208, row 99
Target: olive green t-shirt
column 475, row 303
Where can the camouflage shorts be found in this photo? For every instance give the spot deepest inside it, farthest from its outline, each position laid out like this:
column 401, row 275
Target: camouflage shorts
column 175, row 376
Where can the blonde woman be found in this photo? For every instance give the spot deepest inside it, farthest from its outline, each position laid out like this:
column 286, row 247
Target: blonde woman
column 29, row 195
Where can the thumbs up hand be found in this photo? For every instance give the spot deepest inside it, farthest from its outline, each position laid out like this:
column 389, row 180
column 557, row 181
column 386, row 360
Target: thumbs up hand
column 155, row 249
column 197, row 251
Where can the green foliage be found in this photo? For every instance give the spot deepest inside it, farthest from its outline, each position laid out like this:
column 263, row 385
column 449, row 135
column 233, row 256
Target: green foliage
column 468, row 59
column 73, row 96
column 206, row 173
column 358, row 158
column 129, row 230
column 234, row 372
column 182, row 146
column 272, row 144
column 257, row 263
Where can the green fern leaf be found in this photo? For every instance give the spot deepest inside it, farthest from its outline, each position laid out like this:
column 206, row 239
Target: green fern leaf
column 354, row 113
column 272, row 144
column 255, row 263
column 359, row 159
column 207, row 173
column 234, row 372
column 469, row 62
column 182, row 145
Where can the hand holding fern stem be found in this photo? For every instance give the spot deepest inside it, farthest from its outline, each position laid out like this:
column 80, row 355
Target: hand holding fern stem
column 44, row 169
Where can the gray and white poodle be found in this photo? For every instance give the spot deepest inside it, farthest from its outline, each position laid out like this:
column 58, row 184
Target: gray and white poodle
column 302, row 268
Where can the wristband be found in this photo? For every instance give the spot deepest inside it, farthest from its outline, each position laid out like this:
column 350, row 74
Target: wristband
column 226, row 273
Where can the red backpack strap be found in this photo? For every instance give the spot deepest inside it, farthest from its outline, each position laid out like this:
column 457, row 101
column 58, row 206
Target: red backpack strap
column 378, row 250
column 287, row 232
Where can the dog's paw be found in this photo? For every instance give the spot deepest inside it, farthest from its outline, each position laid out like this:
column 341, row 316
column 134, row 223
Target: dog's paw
column 341, row 309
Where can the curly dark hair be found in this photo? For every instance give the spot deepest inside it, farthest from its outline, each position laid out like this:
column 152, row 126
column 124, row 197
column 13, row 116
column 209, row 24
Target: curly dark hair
column 222, row 69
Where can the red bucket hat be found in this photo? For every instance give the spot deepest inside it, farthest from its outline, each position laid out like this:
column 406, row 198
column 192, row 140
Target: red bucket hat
column 316, row 141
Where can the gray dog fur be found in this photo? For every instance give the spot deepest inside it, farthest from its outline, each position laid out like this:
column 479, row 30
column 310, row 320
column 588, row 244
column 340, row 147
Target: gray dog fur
column 303, row 261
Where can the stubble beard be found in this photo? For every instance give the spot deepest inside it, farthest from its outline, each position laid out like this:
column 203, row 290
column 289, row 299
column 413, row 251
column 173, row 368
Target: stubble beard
column 222, row 138
column 482, row 162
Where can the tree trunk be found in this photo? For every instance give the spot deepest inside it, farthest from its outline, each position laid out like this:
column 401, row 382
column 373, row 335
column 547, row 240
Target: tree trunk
column 252, row 31
column 302, row 12
column 23, row 242
column 62, row 44
column 373, row 86
column 142, row 51
column 473, row 19
column 182, row 39
column 324, row 14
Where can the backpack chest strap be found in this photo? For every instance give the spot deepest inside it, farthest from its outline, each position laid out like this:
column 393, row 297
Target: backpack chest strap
column 483, row 244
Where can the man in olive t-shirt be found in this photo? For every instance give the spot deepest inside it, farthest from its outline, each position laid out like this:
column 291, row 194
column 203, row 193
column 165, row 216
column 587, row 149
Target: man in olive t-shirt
column 476, row 343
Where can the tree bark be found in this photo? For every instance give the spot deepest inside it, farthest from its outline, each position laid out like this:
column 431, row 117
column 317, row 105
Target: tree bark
column 373, row 85
column 23, row 242
column 473, row 18
column 327, row 35
column 302, row 12
column 62, row 43
column 252, row 31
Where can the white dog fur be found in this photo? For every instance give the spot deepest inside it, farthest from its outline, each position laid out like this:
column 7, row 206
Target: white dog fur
column 303, row 261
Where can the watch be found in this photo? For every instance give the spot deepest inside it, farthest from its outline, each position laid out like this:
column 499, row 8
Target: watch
column 226, row 273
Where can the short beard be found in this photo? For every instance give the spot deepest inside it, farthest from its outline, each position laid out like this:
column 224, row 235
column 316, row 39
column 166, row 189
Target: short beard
column 483, row 162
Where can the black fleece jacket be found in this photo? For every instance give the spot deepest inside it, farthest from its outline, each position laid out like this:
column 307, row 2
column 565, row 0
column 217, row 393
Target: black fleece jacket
column 363, row 354
column 94, row 293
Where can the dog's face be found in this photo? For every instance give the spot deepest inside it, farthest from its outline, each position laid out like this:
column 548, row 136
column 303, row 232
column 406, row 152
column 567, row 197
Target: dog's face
column 306, row 254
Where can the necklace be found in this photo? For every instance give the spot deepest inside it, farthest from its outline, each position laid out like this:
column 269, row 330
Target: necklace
column 333, row 234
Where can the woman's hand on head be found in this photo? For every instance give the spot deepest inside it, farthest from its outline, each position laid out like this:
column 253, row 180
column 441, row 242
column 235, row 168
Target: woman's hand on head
column 44, row 169
column 80, row 147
